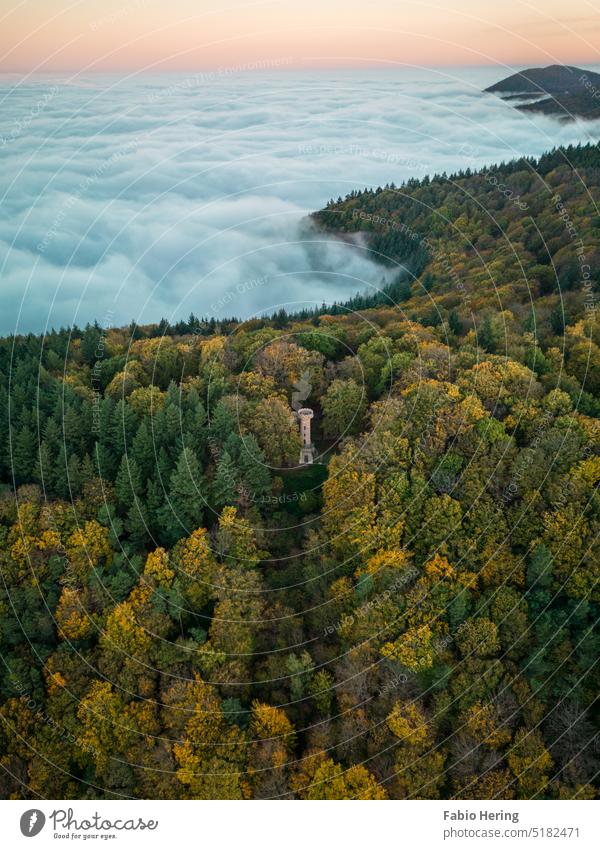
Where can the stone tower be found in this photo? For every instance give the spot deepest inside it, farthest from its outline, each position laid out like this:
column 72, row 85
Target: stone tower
column 307, row 452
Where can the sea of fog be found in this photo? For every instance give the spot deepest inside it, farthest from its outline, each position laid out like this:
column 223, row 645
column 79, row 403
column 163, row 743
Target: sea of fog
column 156, row 196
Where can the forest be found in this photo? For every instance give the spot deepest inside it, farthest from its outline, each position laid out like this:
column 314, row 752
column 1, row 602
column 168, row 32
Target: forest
column 186, row 613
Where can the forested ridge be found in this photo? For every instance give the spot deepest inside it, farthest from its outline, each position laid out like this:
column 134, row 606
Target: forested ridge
column 184, row 613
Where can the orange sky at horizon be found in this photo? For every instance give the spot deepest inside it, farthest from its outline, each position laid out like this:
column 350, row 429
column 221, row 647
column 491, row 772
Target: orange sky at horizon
column 143, row 35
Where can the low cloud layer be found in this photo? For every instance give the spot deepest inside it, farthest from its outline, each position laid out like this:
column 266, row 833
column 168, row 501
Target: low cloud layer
column 162, row 196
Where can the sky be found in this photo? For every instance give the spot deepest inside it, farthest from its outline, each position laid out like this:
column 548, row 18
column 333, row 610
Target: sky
column 143, row 35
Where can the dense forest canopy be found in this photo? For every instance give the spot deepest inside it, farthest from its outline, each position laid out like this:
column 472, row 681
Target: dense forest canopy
column 185, row 613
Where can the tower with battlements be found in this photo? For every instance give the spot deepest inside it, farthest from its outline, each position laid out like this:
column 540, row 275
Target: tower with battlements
column 307, row 452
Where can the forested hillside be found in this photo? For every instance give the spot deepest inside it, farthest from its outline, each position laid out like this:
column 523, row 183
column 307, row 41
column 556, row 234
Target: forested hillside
column 186, row 614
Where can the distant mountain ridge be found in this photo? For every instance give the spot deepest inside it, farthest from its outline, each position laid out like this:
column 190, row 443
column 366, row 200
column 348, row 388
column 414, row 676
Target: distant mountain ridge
column 564, row 91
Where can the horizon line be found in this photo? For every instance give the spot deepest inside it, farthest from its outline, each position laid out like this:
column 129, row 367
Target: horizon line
column 276, row 65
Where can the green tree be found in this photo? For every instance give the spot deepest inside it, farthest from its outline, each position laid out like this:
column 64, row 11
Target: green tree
column 128, row 484
column 254, row 472
column 187, row 494
column 344, row 406
column 225, row 485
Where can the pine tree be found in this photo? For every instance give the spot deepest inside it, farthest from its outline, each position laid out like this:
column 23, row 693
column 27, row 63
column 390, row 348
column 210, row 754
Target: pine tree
column 486, row 336
column 123, row 427
column 71, row 430
column 104, row 461
column 128, row 484
column 41, row 472
column 3, row 431
column 173, row 395
column 194, row 422
column 454, row 323
column 24, row 450
column 74, row 476
column 87, row 470
column 59, row 474
column 222, row 423
column 253, row 468
column 164, row 468
column 106, row 410
column 89, row 344
column 143, row 451
column 155, row 500
column 136, row 524
column 225, row 485
column 559, row 319
column 171, row 434
column 187, row 493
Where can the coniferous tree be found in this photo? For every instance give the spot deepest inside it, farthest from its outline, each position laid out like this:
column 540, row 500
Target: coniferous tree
column 89, row 344
column 142, row 450
column 254, row 472
column 187, row 494
column 24, row 450
column 136, row 524
column 155, row 502
column 128, row 483
column 225, row 488
column 42, row 469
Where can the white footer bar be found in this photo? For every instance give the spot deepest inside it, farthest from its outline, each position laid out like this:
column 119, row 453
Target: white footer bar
column 301, row 825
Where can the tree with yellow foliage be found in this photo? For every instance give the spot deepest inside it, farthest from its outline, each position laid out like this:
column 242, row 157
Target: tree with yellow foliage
column 88, row 549
column 108, row 728
column 210, row 755
column 530, row 763
column 321, row 778
column 276, row 430
column 273, row 739
column 419, row 766
column 73, row 620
